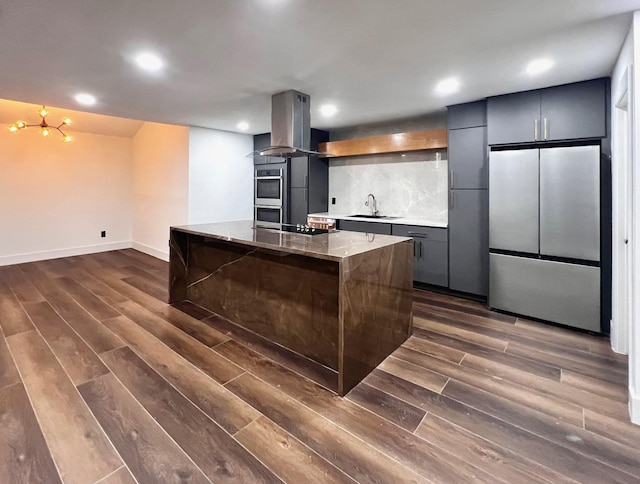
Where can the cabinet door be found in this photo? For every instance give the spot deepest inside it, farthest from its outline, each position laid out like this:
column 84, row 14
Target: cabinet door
column 318, row 184
column 469, row 241
column 298, row 206
column 574, row 111
column 468, row 115
column 299, row 172
column 513, row 118
column 430, row 253
column 368, row 227
column 433, row 257
column 261, row 141
column 468, row 158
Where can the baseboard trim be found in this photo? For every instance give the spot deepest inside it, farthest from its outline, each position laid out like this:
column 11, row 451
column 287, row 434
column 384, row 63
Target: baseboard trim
column 58, row 253
column 158, row 254
column 634, row 406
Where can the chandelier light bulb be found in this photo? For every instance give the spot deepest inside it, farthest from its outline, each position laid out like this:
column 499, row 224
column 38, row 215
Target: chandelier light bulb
column 45, row 128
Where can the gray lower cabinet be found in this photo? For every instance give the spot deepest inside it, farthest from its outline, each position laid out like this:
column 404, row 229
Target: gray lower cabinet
column 469, row 241
column 430, row 253
column 362, row 226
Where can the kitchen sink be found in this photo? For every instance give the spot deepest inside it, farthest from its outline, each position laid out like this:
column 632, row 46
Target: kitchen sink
column 387, row 217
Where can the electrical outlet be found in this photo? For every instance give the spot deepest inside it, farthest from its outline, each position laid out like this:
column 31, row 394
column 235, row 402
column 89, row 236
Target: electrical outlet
column 103, row 233
column 333, row 200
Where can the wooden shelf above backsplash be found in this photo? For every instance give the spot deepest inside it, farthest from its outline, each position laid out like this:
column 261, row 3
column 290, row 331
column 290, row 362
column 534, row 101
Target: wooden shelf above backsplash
column 428, row 139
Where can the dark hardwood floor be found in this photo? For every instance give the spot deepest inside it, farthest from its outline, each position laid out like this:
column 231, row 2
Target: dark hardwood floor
column 102, row 381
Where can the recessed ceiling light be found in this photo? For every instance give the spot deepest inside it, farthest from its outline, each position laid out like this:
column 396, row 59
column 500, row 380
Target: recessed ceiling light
column 243, row 126
column 149, row 62
column 85, row 99
column 328, row 110
column 447, row 86
column 539, row 66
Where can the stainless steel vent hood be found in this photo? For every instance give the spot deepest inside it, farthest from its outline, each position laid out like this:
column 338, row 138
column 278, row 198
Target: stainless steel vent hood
column 290, row 126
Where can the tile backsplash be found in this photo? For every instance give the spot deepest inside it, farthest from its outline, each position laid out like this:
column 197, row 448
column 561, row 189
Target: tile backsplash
column 412, row 186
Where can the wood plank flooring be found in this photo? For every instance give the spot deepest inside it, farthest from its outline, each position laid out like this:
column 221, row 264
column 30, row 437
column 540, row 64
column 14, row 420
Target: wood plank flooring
column 102, row 381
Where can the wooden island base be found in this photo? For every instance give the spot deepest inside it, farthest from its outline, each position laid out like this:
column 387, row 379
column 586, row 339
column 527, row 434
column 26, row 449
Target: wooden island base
column 343, row 300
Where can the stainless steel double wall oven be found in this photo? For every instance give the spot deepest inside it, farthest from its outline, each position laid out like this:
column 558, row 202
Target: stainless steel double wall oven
column 270, row 194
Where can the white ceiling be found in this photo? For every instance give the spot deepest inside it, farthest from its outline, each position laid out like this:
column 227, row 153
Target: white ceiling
column 374, row 59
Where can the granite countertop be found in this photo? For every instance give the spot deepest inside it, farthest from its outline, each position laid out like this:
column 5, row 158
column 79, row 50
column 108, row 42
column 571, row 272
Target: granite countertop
column 400, row 220
column 335, row 245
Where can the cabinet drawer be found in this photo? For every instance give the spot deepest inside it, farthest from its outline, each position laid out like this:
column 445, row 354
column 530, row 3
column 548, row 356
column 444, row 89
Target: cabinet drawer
column 368, row 227
column 431, row 233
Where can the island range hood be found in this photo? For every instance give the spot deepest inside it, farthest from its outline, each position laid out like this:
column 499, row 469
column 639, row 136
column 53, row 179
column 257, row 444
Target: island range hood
column 290, row 126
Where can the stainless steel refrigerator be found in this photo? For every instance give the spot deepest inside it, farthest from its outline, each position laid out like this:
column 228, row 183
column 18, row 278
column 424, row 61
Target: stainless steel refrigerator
column 544, row 234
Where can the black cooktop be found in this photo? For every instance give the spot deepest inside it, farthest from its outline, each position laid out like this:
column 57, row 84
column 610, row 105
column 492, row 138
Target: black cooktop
column 296, row 229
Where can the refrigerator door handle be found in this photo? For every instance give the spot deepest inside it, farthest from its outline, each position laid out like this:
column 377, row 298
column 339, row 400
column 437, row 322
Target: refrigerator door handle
column 451, row 179
column 451, row 199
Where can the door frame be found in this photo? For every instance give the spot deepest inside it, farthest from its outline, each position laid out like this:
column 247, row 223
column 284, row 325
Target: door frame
column 622, row 250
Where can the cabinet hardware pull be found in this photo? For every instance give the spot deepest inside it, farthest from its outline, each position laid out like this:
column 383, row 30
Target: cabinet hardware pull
column 414, row 248
column 535, row 129
column 306, row 180
column 546, row 131
column 418, row 234
column 451, row 199
column 420, row 251
column 451, row 185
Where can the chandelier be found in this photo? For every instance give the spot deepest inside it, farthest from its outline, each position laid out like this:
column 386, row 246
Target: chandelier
column 45, row 128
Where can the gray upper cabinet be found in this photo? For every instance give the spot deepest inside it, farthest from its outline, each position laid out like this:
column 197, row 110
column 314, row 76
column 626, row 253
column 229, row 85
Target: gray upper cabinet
column 469, row 241
column 574, row 111
column 568, row 112
column 513, row 118
column 468, row 115
column 468, row 158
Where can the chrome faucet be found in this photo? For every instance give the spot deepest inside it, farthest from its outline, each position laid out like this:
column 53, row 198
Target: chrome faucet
column 372, row 199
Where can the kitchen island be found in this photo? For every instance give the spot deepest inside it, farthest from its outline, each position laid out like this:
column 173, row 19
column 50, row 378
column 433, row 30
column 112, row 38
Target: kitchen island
column 341, row 299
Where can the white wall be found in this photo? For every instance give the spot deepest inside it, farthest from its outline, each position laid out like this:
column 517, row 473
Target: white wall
column 160, row 185
column 220, row 176
column 627, row 185
column 56, row 197
column 634, row 341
